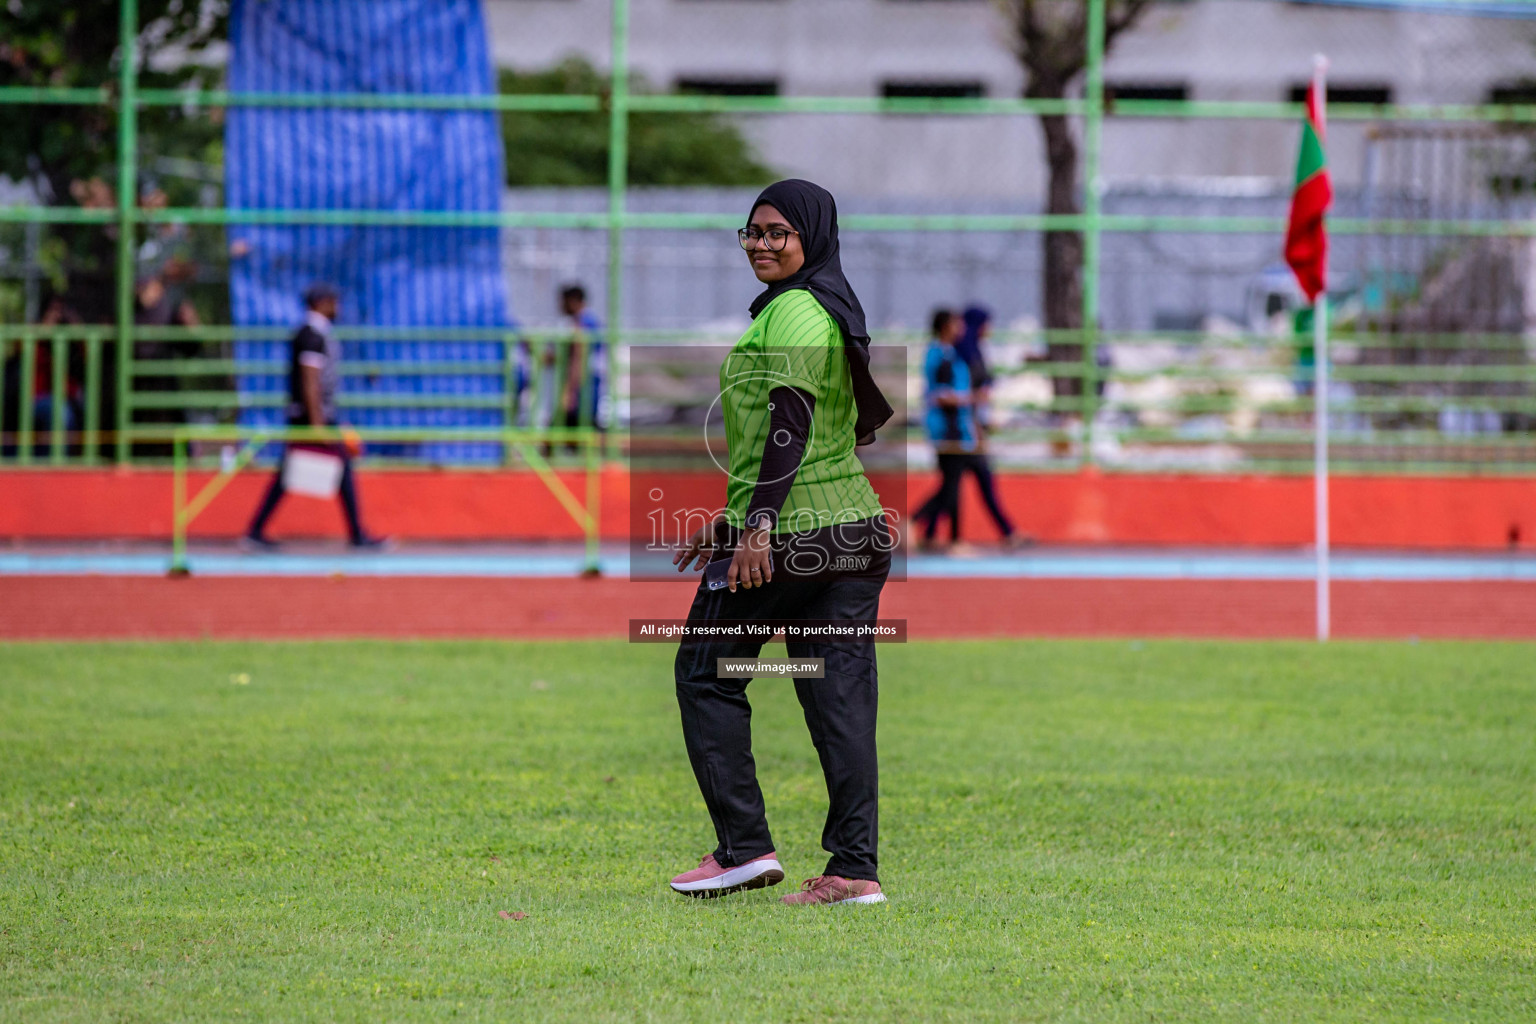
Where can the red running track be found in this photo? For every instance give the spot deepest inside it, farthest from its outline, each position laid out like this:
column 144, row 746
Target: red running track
column 102, row 607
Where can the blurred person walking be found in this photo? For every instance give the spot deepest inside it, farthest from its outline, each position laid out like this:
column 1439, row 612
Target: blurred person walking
column 585, row 362
column 803, row 536
column 314, row 377
column 950, row 423
column 575, row 398
column 977, row 328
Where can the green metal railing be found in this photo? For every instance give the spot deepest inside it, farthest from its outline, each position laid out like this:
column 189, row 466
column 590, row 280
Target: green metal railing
column 584, row 509
column 105, row 353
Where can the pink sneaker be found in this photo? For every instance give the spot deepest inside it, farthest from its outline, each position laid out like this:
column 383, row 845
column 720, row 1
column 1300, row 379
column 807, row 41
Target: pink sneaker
column 834, row 889
column 709, row 879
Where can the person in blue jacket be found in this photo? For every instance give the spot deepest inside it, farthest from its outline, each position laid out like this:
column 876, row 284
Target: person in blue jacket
column 586, row 364
column 951, row 395
column 949, row 422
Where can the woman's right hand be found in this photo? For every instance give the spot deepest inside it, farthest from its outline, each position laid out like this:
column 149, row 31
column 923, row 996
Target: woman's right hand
column 699, row 546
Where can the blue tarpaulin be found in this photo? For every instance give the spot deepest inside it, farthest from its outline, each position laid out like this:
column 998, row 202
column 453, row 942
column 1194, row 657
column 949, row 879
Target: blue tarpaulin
column 357, row 159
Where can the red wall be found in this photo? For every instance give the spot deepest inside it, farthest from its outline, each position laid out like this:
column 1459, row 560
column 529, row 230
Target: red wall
column 1392, row 512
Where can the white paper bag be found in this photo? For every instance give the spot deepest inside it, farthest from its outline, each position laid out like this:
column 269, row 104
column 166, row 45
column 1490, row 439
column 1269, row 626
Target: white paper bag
column 311, row 473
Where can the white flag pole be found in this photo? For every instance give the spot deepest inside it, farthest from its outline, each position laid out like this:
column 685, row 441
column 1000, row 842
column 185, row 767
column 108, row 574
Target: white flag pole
column 1320, row 406
column 1320, row 459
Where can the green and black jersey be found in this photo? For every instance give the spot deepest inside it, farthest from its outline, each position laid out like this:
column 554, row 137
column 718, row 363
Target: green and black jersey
column 794, row 342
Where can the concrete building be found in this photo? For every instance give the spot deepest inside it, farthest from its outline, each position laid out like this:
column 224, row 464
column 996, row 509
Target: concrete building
column 1257, row 50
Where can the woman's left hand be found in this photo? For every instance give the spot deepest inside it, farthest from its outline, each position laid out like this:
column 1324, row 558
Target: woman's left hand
column 750, row 564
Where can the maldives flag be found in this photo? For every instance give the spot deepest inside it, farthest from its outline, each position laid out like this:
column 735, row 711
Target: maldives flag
column 1306, row 240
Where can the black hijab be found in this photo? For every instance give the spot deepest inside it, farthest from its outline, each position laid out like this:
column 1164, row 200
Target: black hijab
column 811, row 210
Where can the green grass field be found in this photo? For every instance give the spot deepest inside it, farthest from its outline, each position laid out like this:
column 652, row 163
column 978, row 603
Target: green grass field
column 1071, row 832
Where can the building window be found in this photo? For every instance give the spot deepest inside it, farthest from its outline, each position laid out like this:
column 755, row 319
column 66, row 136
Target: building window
column 932, row 90
column 1177, row 91
column 729, row 86
column 1367, row 93
column 1512, row 93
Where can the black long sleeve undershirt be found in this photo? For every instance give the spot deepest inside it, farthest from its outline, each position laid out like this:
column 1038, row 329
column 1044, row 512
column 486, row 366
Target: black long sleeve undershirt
column 789, row 430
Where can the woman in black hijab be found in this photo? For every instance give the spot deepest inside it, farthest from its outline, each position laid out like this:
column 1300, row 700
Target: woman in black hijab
column 802, row 536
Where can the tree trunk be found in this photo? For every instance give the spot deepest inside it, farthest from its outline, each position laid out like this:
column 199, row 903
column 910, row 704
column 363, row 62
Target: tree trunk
column 1062, row 279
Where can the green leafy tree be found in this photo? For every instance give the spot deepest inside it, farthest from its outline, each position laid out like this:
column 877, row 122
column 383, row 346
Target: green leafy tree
column 69, row 153
column 545, row 148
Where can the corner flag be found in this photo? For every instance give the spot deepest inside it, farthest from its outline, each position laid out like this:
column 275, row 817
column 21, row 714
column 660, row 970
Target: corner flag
column 1306, row 239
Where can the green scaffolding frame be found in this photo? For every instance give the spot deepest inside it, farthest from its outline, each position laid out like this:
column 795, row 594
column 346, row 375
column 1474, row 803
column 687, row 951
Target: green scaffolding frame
column 620, row 103
column 585, row 510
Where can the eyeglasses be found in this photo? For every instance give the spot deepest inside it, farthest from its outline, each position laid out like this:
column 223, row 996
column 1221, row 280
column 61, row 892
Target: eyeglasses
column 778, row 238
